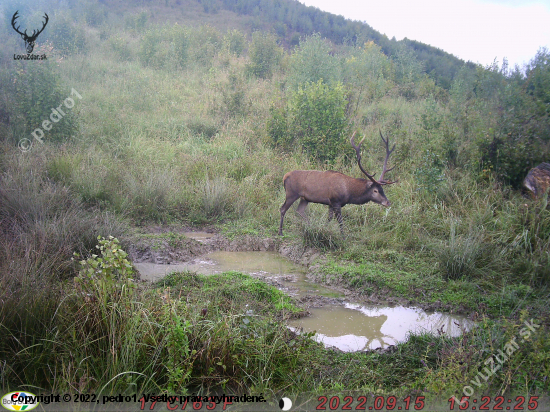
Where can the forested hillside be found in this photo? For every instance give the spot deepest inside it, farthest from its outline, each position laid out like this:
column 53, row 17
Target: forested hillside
column 291, row 19
column 150, row 117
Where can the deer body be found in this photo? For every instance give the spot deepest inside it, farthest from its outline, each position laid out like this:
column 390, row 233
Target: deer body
column 332, row 188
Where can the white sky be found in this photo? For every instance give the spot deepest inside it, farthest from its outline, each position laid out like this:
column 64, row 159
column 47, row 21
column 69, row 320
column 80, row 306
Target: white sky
column 475, row 30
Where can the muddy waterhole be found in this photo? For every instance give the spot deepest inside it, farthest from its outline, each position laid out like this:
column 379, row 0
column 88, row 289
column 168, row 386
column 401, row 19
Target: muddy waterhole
column 338, row 323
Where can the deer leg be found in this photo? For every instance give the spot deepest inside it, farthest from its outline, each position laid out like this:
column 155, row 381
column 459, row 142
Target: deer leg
column 288, row 202
column 330, row 213
column 338, row 213
column 301, row 209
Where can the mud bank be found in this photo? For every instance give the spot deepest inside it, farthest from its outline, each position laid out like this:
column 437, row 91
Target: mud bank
column 170, row 247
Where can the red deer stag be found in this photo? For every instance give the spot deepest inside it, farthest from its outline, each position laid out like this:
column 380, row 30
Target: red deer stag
column 335, row 189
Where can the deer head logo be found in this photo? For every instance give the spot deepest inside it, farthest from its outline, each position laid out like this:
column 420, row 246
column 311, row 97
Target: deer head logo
column 29, row 40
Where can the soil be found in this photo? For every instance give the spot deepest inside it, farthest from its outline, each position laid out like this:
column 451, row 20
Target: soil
column 174, row 247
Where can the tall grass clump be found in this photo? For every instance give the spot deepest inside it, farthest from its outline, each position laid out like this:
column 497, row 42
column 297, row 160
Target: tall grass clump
column 216, row 196
column 317, row 233
column 460, row 256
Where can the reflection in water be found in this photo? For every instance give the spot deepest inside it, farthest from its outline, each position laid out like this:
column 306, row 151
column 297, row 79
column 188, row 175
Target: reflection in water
column 354, row 327
column 351, row 327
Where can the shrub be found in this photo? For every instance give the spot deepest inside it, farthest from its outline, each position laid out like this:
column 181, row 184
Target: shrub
column 234, row 97
column 121, row 48
column 150, row 51
column 95, row 14
column 204, row 44
column 429, row 174
column 37, row 91
column 234, row 42
column 368, row 70
column 66, row 37
column 107, row 276
column 312, row 62
column 264, row 55
column 137, row 22
column 314, row 119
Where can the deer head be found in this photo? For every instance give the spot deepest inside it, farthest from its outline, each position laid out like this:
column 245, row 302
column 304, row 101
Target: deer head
column 29, row 40
column 376, row 191
column 385, row 169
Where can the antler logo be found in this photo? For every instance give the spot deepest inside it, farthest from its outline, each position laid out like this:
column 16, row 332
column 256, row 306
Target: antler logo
column 29, row 40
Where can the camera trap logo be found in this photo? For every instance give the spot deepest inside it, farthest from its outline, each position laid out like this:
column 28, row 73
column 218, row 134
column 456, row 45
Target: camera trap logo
column 19, row 401
column 29, row 39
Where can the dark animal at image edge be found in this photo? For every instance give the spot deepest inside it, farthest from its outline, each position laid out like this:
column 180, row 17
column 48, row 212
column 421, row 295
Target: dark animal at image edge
column 335, row 189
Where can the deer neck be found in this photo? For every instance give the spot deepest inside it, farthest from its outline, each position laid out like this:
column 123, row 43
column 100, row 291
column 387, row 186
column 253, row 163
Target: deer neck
column 360, row 192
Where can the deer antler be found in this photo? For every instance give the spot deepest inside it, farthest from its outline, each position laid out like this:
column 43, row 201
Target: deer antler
column 13, row 19
column 34, row 36
column 385, row 168
column 358, row 151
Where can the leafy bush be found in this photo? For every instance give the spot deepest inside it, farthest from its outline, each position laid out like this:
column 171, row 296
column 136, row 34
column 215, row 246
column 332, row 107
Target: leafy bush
column 180, row 39
column 234, row 42
column 407, row 67
column 314, row 119
column 66, row 37
column 150, row 52
column 429, row 174
column 368, row 71
column 312, row 62
column 264, row 55
column 120, row 47
column 164, row 47
column 210, row 6
column 234, row 97
column 108, row 275
column 204, row 44
column 137, row 22
column 37, row 92
column 95, row 14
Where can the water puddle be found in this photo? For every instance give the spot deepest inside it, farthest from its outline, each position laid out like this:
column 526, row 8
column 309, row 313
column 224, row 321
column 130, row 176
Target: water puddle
column 353, row 327
column 267, row 265
column 349, row 327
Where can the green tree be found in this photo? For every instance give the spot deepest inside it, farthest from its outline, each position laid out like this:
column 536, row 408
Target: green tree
column 368, row 71
column 265, row 55
column 312, row 62
column 234, row 42
column 314, row 120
